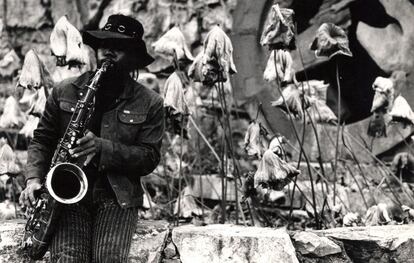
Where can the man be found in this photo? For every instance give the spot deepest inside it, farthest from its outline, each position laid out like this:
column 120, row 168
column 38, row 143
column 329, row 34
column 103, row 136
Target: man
column 124, row 138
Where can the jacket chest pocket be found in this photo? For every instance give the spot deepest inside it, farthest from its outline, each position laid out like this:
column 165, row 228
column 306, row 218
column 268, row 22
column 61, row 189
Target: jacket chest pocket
column 130, row 123
column 67, row 109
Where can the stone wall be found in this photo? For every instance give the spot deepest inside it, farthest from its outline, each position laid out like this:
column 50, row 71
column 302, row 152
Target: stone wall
column 27, row 24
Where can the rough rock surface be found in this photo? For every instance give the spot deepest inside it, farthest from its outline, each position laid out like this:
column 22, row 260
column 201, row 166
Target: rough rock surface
column 394, row 243
column 230, row 243
column 310, row 243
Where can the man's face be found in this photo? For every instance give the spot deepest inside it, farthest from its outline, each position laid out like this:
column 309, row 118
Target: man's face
column 122, row 59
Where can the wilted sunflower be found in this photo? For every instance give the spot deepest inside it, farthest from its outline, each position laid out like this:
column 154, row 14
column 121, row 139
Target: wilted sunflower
column 279, row 30
column 331, row 40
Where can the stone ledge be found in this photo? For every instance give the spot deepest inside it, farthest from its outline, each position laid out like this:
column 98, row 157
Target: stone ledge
column 231, row 243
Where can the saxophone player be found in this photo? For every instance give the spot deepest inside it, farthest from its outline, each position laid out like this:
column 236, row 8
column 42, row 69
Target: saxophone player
column 122, row 143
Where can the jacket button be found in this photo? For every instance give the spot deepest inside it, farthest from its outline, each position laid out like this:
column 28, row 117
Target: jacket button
column 102, row 166
column 131, row 120
column 72, row 109
column 106, row 125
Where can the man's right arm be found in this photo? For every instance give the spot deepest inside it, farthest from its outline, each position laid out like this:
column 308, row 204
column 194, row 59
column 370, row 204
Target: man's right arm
column 45, row 138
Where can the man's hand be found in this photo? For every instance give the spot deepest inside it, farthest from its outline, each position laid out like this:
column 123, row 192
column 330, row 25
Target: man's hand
column 27, row 197
column 89, row 145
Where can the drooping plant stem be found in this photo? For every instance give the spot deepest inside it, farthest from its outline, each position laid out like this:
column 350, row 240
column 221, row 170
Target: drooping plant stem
column 338, row 127
column 299, row 142
column 180, row 175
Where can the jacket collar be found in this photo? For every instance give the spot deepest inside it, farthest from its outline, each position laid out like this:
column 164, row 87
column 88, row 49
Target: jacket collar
column 128, row 91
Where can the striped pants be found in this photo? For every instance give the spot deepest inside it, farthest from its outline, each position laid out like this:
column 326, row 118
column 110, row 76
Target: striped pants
column 98, row 233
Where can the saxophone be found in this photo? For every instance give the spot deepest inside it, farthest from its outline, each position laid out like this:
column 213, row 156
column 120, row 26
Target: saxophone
column 65, row 183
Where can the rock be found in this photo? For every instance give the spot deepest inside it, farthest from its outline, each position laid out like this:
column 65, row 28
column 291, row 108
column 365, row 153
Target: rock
column 394, row 243
column 310, row 243
column 146, row 243
column 26, row 14
column 230, row 243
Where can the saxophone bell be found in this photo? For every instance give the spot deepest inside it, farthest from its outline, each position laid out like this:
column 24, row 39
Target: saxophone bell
column 66, row 183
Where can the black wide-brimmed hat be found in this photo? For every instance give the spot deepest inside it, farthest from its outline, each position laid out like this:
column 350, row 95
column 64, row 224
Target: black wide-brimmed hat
column 124, row 30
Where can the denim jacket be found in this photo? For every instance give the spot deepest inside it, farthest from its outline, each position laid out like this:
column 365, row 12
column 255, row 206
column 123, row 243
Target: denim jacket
column 130, row 139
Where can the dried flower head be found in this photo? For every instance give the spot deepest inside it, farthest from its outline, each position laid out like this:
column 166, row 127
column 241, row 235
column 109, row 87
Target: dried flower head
column 29, row 127
column 279, row 67
column 9, row 63
column 171, row 44
column 207, row 73
column 273, row 172
column 384, row 94
column 34, row 73
column 279, row 30
column 12, row 116
column 254, row 140
column 401, row 111
column 218, row 47
column 175, row 104
column 293, row 98
column 8, row 164
column 331, row 40
column 66, row 44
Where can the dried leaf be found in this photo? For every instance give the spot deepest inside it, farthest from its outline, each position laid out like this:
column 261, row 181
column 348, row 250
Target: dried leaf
column 384, row 94
column 8, row 163
column 9, row 64
column 279, row 29
column 34, row 73
column 173, row 42
column 205, row 73
column 30, row 126
column 12, row 116
column 279, row 67
column 320, row 112
column 218, row 47
column 177, row 110
column 276, row 145
column 76, row 54
column 377, row 125
column 293, row 98
column 274, row 172
column 377, row 215
column 401, row 111
column 66, row 44
column 254, row 140
column 174, row 95
column 188, row 206
column 351, row 219
column 331, row 40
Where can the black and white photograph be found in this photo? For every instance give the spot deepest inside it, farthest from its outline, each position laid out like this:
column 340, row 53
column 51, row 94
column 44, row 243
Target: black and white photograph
column 216, row 131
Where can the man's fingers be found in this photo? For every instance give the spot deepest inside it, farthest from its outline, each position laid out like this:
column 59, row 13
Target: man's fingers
column 84, row 152
column 88, row 159
column 75, row 151
column 32, row 198
column 88, row 136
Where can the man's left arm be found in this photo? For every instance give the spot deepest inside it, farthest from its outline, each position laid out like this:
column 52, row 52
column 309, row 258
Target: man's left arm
column 142, row 157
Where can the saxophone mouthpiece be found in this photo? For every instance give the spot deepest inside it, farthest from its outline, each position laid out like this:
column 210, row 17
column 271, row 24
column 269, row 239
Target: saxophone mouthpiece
column 107, row 64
